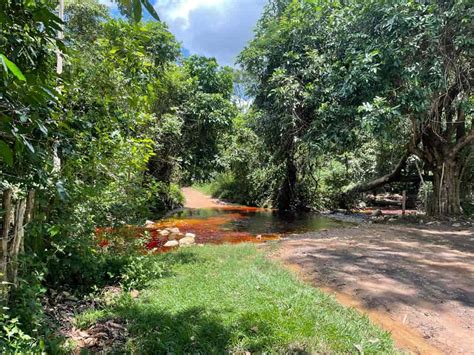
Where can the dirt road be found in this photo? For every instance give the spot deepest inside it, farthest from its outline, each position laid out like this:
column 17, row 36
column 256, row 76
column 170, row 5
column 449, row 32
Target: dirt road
column 196, row 199
column 417, row 282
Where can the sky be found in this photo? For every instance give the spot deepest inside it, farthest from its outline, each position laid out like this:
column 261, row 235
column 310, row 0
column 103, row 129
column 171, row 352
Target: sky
column 214, row 28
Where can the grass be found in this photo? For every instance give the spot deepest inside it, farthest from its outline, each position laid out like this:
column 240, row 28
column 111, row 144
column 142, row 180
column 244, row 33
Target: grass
column 231, row 298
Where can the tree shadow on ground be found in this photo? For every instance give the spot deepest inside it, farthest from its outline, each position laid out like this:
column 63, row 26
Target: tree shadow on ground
column 392, row 267
column 192, row 331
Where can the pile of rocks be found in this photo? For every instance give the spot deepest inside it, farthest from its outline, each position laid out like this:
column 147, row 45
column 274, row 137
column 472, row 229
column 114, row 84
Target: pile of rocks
column 173, row 236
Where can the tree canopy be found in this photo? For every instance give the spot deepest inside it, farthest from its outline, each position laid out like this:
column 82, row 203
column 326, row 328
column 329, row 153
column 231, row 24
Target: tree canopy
column 324, row 71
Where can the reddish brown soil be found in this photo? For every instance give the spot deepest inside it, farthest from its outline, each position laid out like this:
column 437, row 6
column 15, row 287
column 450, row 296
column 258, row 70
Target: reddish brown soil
column 196, row 199
column 416, row 282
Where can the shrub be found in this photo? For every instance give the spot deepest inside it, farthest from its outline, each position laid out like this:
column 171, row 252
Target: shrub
column 164, row 197
column 140, row 271
column 13, row 340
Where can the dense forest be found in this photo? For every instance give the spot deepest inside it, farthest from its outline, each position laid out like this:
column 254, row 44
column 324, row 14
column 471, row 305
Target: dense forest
column 103, row 120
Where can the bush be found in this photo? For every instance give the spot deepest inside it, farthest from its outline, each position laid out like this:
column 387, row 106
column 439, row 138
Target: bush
column 140, row 271
column 13, row 340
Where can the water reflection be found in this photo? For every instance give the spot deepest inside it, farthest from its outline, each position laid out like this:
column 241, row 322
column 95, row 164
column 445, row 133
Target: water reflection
column 238, row 223
column 230, row 224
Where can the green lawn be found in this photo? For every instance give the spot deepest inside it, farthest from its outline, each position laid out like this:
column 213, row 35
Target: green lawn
column 218, row 299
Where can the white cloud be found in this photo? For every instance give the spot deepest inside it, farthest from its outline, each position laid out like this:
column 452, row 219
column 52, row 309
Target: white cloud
column 108, row 3
column 181, row 9
column 215, row 28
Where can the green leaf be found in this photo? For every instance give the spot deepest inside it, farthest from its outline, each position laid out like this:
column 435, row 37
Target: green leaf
column 12, row 67
column 53, row 230
column 6, row 153
column 150, row 9
column 29, row 146
column 137, row 10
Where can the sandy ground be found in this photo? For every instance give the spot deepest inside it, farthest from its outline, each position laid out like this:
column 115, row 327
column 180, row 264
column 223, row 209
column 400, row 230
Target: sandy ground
column 416, row 282
column 196, row 199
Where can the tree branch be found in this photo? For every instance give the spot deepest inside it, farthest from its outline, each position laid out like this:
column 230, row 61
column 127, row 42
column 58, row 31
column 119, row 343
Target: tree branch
column 395, row 175
column 463, row 142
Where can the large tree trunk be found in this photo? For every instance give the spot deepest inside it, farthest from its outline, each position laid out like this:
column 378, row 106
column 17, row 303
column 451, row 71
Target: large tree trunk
column 287, row 195
column 446, row 186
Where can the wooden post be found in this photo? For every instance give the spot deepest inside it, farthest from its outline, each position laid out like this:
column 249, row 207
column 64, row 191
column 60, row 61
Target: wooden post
column 18, row 235
column 7, row 207
column 404, row 202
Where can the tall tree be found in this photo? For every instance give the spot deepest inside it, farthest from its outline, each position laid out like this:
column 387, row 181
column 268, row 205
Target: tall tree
column 196, row 121
column 424, row 54
column 402, row 69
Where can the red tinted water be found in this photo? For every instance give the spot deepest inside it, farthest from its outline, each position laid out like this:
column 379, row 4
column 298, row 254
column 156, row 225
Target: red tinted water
column 207, row 230
column 215, row 228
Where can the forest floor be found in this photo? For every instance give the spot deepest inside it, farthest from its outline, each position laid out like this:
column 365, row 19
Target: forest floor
column 414, row 281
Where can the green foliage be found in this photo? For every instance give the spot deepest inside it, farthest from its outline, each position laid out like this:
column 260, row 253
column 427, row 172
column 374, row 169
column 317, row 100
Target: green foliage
column 83, row 20
column 141, row 271
column 13, row 340
column 10, row 66
column 193, row 121
column 165, row 197
column 27, row 96
column 250, row 175
column 208, row 76
column 328, row 76
column 207, row 114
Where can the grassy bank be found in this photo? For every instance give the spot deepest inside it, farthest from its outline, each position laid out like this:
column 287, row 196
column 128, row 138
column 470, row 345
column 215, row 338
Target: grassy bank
column 214, row 299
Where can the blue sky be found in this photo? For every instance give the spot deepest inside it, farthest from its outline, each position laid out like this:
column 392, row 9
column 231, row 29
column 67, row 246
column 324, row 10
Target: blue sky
column 214, row 28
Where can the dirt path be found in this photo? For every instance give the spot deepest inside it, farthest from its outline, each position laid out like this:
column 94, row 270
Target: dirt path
column 196, row 199
column 416, row 282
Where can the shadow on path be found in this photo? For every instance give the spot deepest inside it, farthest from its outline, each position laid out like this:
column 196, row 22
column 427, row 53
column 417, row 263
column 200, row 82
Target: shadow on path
column 420, row 276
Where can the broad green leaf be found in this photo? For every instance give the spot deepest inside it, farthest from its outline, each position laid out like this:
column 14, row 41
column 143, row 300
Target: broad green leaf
column 12, row 67
column 137, row 10
column 150, row 9
column 6, row 153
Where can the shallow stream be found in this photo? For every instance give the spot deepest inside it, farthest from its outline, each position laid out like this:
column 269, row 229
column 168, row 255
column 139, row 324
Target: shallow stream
column 234, row 224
